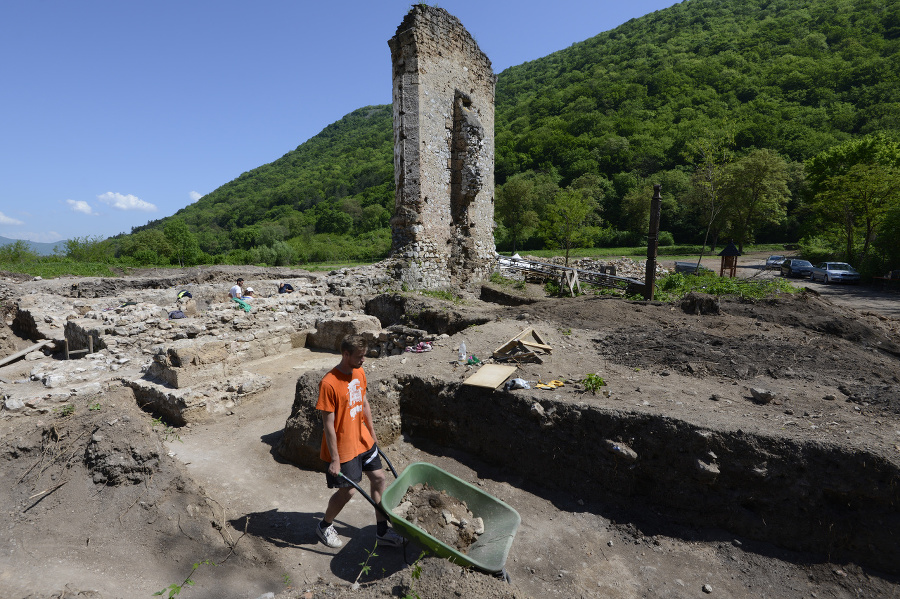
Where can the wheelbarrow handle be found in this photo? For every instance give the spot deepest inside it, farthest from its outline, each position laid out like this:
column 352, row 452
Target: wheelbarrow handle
column 368, row 497
column 391, row 466
column 377, row 506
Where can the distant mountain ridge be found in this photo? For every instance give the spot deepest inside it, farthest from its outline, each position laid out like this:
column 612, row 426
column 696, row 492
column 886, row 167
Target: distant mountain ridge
column 41, row 249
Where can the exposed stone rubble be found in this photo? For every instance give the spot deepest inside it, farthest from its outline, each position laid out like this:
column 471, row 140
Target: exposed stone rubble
column 621, row 267
column 187, row 368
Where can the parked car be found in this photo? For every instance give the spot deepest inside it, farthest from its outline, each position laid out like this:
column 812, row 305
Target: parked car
column 773, row 262
column 794, row 267
column 840, row 272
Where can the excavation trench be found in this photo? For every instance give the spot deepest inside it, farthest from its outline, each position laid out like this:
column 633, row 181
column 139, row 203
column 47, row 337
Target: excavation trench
column 810, row 496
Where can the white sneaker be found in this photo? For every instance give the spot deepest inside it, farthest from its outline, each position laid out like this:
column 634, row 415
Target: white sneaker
column 389, row 539
column 329, row 536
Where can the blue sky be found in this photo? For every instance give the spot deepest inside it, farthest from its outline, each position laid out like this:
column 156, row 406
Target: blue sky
column 114, row 113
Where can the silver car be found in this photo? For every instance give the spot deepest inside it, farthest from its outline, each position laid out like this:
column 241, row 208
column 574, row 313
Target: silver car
column 834, row 272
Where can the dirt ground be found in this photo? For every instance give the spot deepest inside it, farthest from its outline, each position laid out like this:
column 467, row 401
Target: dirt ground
column 109, row 502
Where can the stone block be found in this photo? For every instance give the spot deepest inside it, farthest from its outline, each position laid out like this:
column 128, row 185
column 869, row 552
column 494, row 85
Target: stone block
column 330, row 332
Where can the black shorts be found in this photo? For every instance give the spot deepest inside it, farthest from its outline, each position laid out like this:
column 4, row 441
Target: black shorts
column 367, row 461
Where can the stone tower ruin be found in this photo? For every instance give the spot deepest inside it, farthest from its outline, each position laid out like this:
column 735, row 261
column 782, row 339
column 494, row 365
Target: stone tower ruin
column 443, row 224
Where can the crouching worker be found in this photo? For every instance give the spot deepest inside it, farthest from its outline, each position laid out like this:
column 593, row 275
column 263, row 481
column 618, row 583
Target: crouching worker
column 349, row 442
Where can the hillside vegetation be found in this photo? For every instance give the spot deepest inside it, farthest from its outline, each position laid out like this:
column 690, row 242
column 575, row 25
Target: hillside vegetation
column 764, row 120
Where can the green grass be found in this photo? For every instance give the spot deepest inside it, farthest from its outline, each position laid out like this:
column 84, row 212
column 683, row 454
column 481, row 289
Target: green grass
column 50, row 270
column 677, row 285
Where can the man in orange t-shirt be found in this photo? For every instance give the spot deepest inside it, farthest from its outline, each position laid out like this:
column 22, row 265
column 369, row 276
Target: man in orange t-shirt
column 349, row 443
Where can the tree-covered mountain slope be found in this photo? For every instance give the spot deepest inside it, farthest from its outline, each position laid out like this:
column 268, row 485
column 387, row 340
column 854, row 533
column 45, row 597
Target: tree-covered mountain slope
column 786, row 79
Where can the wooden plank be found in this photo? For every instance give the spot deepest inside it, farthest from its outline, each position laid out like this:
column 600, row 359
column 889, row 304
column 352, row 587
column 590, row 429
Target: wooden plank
column 532, row 345
column 18, row 355
column 490, row 376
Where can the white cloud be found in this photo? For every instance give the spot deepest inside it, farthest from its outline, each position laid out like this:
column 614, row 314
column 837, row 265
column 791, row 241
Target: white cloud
column 80, row 206
column 126, row 202
column 195, row 196
column 8, row 220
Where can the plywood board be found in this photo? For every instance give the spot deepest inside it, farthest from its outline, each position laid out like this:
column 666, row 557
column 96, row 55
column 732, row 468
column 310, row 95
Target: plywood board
column 490, row 376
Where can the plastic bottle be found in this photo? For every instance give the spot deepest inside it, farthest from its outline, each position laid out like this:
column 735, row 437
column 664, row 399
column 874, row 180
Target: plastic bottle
column 462, row 352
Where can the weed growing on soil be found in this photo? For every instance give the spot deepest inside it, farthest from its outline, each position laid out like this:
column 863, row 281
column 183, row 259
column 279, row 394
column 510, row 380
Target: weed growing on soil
column 677, row 285
column 415, row 574
column 168, row 431
column 286, row 579
column 499, row 279
column 175, row 589
column 442, row 295
column 593, row 382
column 364, row 565
column 95, row 407
column 66, row 410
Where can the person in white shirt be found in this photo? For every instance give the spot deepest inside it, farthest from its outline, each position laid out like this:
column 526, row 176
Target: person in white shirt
column 238, row 289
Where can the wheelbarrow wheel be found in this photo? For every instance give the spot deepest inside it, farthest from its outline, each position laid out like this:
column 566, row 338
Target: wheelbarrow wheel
column 503, row 575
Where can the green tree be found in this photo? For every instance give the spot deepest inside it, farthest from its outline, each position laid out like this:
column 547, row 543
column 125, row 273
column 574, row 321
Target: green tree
column 859, row 199
column 87, row 249
column 711, row 157
column 18, row 251
column 566, row 215
column 150, row 246
column 755, row 193
column 515, row 209
column 184, row 244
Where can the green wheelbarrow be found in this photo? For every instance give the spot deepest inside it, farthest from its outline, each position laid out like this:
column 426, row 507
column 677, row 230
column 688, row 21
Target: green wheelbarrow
column 501, row 521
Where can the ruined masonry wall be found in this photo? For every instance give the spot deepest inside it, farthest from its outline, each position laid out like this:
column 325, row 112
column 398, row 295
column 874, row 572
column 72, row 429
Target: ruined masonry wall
column 443, row 98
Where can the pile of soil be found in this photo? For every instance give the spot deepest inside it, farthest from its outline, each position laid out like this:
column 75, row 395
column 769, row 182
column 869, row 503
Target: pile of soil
column 441, row 515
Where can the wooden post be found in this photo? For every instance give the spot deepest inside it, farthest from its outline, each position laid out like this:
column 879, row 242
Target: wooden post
column 653, row 241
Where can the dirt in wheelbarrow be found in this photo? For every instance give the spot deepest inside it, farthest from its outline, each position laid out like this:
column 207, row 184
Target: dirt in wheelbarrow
column 441, row 515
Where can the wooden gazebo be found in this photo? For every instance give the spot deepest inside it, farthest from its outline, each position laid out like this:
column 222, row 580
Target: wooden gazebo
column 729, row 259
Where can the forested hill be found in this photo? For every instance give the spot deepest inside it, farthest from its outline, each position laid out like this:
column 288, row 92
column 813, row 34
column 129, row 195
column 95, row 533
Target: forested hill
column 796, row 77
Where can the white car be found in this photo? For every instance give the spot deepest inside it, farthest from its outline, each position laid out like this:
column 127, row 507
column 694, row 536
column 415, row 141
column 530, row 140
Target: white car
column 774, row 262
column 834, row 272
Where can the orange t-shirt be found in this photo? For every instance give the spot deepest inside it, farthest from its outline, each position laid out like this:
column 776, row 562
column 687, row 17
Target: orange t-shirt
column 343, row 394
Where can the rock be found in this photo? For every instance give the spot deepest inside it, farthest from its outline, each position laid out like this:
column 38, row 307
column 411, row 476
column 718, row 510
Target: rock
column 537, row 410
column 329, row 332
column 830, row 397
column 620, row 450
column 707, row 589
column 761, row 395
column 478, row 525
column 53, row 380
column 13, row 404
column 705, row 471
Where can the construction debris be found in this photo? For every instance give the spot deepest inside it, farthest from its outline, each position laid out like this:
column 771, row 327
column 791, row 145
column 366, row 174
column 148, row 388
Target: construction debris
column 527, row 346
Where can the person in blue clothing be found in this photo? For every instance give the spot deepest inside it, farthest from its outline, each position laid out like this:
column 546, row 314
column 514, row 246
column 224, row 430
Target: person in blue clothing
column 285, row 288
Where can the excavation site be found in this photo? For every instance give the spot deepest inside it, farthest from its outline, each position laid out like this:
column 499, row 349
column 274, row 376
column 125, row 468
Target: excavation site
column 735, row 448
column 159, row 433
